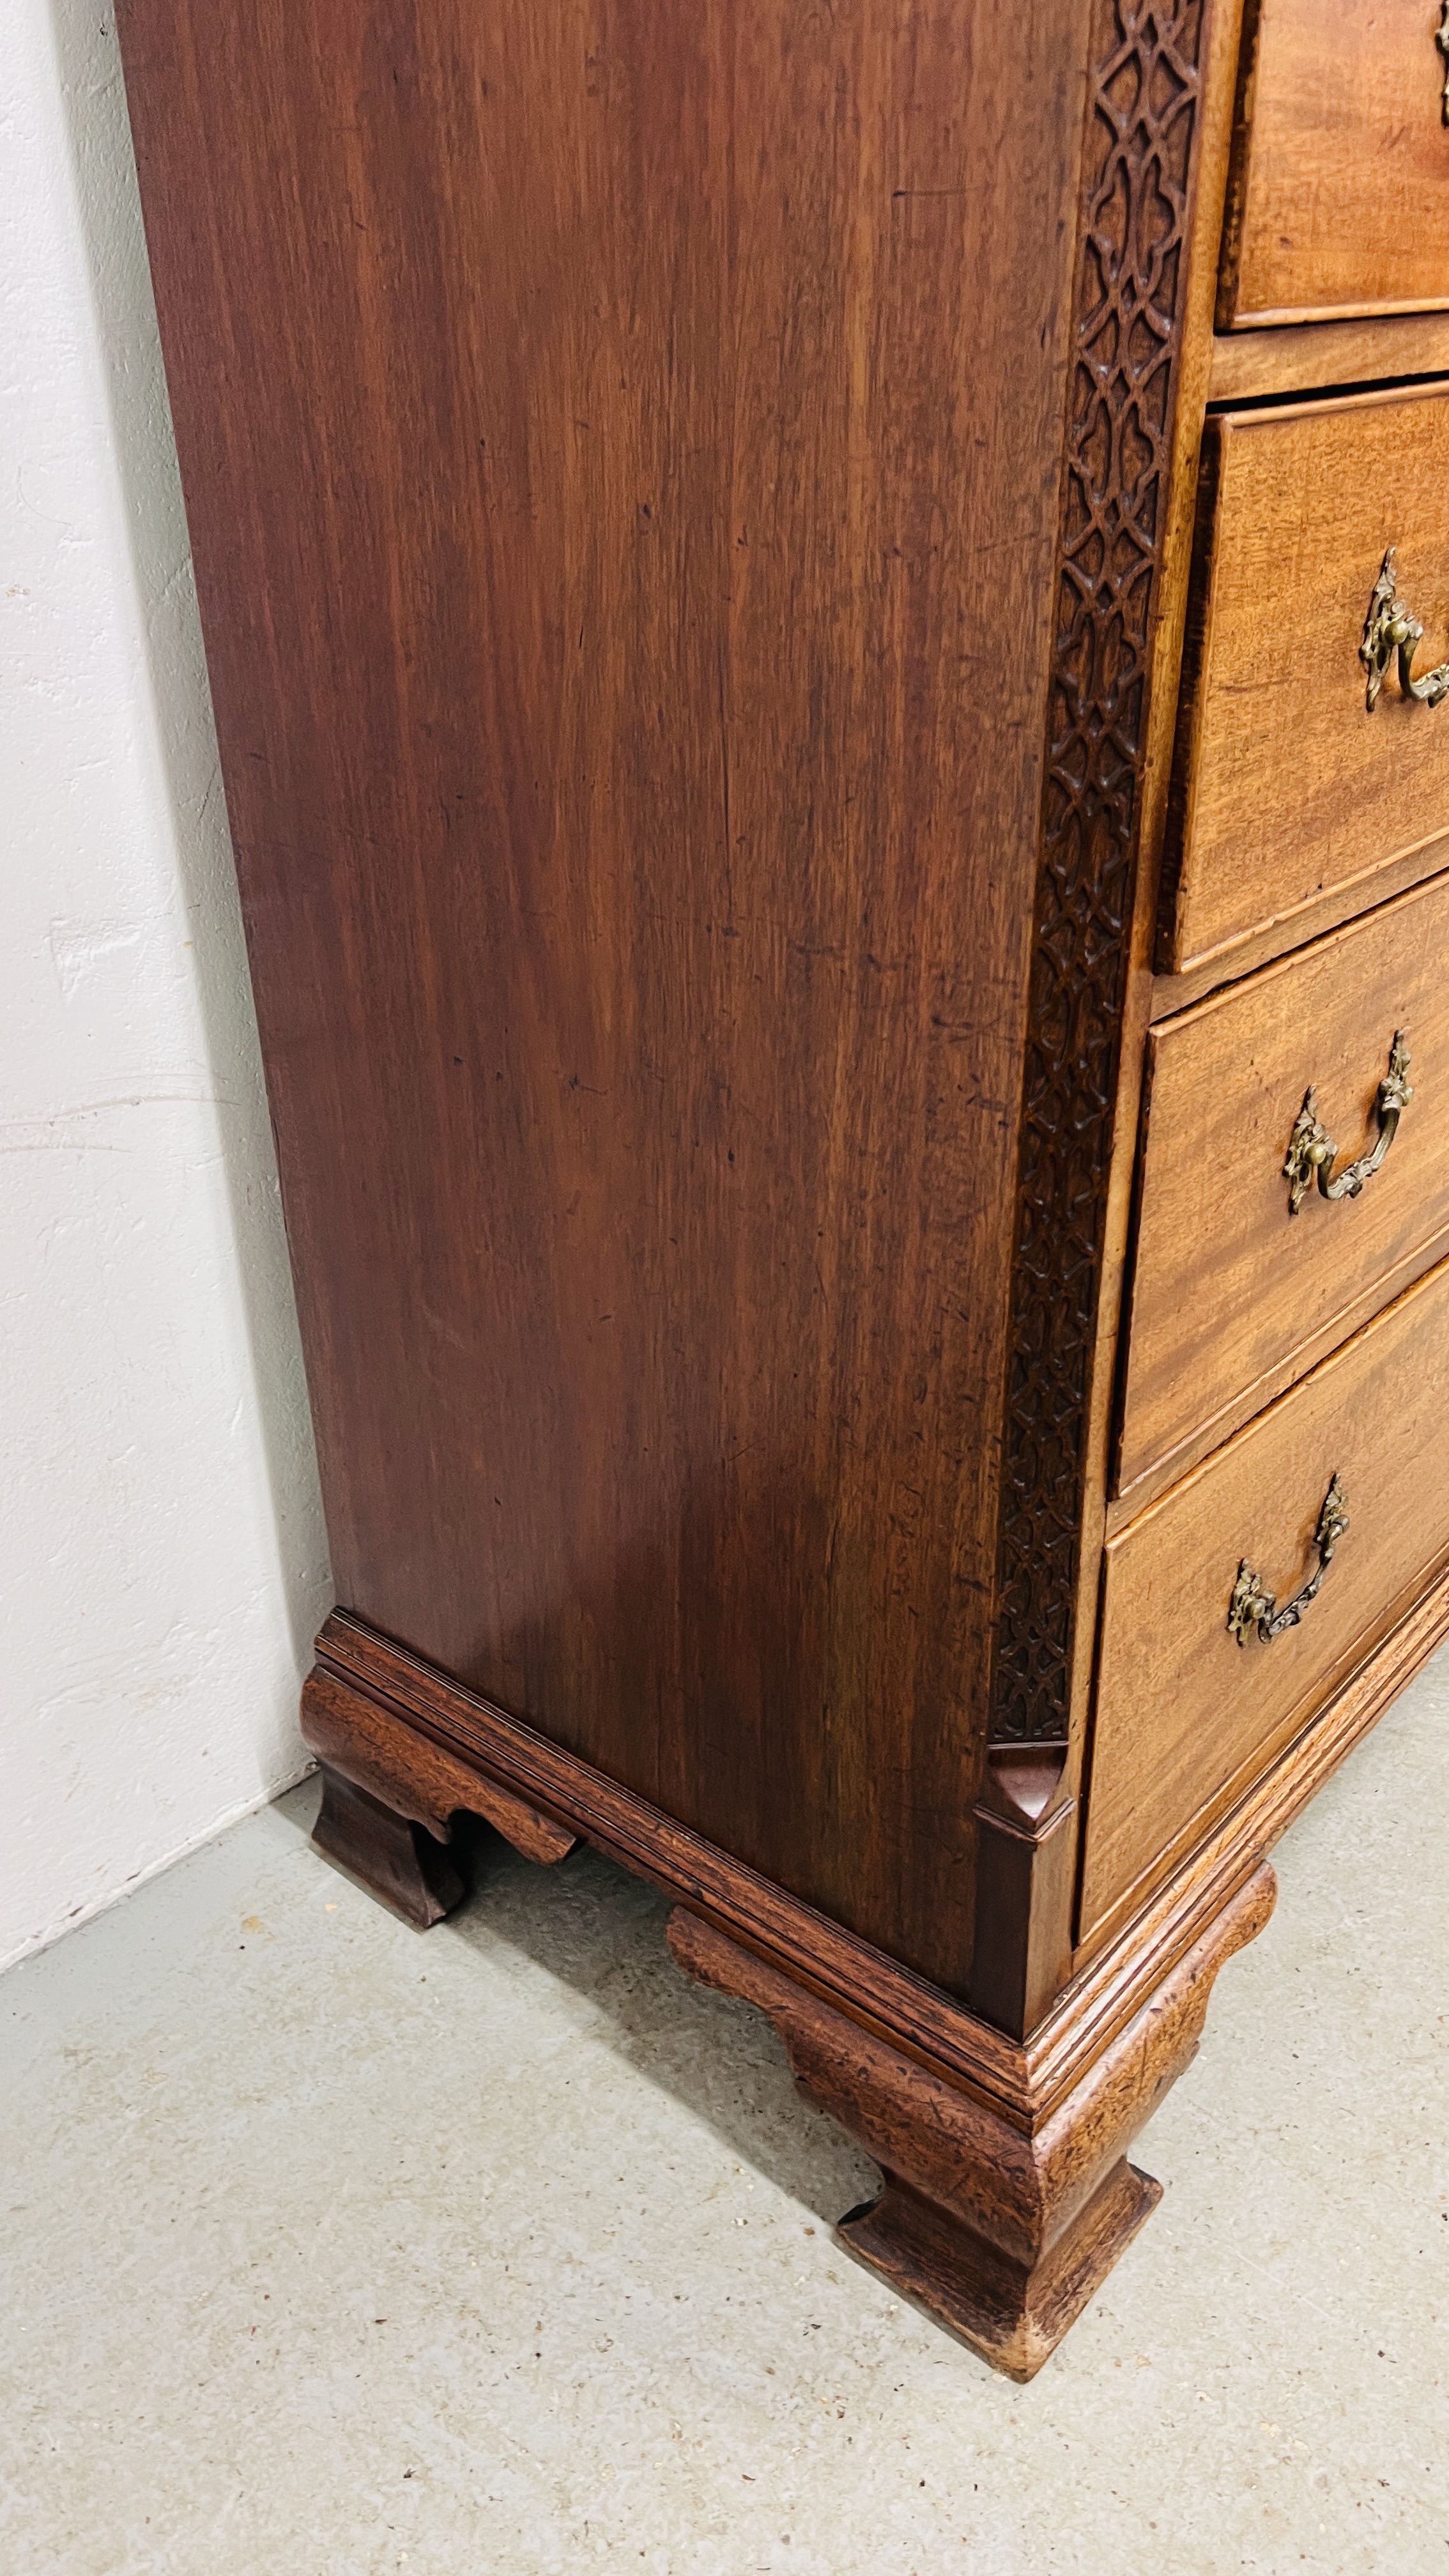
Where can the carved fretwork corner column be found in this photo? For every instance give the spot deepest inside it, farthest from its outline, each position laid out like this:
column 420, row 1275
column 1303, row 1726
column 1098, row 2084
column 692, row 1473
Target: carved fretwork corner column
column 1139, row 181
column 389, row 1796
column 1002, row 2226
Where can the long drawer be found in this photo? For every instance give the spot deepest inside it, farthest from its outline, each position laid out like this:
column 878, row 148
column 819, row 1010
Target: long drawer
column 1286, row 782
column 1242, row 1276
column 1339, row 187
column 1186, row 1715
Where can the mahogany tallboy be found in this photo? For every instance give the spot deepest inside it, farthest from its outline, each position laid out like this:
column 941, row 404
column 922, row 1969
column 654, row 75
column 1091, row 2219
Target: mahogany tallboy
column 826, row 629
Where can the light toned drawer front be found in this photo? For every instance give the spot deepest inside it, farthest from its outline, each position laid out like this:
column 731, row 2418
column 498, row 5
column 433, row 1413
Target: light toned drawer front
column 1185, row 1716
column 1233, row 1294
column 1285, row 784
column 1339, row 190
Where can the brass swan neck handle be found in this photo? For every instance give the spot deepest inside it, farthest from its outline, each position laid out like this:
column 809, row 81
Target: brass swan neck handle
column 1311, row 1149
column 1253, row 1610
column 1391, row 628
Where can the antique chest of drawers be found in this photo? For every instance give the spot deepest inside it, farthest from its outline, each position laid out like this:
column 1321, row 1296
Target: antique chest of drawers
column 827, row 631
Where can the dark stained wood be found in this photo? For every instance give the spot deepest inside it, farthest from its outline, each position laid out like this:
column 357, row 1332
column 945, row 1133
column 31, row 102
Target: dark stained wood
column 622, row 453
column 1001, row 2237
column 397, row 1862
column 1026, row 1860
column 361, row 1740
column 358, row 1673
column 1340, row 183
column 1139, row 171
column 1023, row 2081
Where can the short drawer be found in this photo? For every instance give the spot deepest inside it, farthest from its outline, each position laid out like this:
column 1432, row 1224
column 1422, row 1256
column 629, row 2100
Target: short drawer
column 1286, row 784
column 1242, row 1277
column 1338, row 191
column 1186, row 1716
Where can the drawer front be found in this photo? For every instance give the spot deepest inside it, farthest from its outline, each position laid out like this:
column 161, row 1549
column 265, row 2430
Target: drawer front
column 1234, row 1293
column 1338, row 193
column 1186, row 1717
column 1286, row 786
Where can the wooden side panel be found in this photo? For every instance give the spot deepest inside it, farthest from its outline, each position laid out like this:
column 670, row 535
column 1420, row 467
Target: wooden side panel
column 1185, row 1715
column 1230, row 1288
column 622, row 448
column 1340, row 186
column 1285, row 785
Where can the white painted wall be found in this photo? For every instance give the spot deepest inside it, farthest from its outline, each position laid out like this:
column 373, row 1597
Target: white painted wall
column 164, row 1562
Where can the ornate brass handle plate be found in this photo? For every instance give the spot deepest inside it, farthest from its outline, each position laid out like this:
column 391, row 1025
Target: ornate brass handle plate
column 1311, row 1149
column 1441, row 39
column 1391, row 628
column 1254, row 1612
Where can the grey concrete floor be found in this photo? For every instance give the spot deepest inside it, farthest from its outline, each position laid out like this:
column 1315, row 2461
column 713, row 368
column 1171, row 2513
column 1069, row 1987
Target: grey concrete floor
column 333, row 2250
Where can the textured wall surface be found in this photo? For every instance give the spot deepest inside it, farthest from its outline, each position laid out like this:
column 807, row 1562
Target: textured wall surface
column 164, row 1561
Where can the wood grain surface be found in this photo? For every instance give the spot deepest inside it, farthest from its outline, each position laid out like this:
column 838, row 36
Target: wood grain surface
column 1114, row 1973
column 622, row 451
column 360, row 1739
column 1003, row 2238
column 1172, row 993
column 1135, row 244
column 1185, row 1715
column 400, row 1863
column 1284, row 785
column 682, row 566
column 1340, row 187
column 1232, row 1295
column 1304, row 358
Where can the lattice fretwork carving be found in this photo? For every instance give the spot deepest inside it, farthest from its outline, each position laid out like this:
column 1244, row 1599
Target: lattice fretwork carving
column 1131, row 262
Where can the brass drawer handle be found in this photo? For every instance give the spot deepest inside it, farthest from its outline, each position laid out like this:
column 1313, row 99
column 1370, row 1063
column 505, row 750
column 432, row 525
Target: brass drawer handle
column 1311, row 1149
column 1254, row 1612
column 1389, row 628
column 1441, row 39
